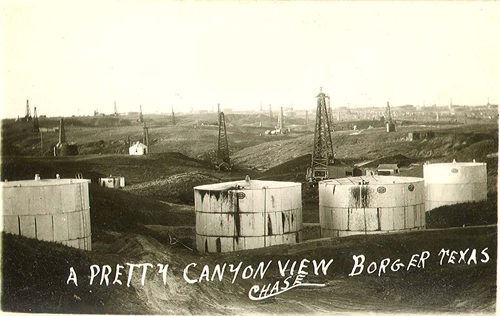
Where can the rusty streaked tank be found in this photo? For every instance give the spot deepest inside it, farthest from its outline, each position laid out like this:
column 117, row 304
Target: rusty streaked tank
column 370, row 204
column 247, row 214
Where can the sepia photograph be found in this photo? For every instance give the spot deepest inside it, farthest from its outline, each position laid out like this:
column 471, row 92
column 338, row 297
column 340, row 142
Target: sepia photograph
column 249, row 157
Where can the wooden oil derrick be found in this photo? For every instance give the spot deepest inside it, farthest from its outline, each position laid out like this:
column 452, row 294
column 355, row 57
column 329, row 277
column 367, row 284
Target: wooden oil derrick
column 27, row 116
column 36, row 124
column 115, row 109
column 388, row 116
column 323, row 148
column 281, row 121
column 63, row 148
column 222, row 160
column 141, row 118
column 270, row 112
column 389, row 124
column 173, row 116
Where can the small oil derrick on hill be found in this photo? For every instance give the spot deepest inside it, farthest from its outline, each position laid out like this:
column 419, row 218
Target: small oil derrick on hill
column 63, row 148
column 141, row 118
column 62, row 133
column 36, row 124
column 281, row 121
column 115, row 110
column 323, row 148
column 389, row 124
column 222, row 159
column 27, row 116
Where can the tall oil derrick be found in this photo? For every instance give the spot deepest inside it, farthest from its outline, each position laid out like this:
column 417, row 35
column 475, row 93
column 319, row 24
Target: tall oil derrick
column 389, row 124
column 115, row 109
column 63, row 148
column 222, row 160
column 36, row 124
column 27, row 116
column 141, row 118
column 323, row 148
column 270, row 112
column 173, row 116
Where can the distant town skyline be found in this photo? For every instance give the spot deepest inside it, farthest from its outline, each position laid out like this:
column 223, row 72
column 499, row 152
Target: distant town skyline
column 73, row 57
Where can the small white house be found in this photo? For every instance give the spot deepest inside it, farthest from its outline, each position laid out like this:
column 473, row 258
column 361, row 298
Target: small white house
column 112, row 182
column 138, row 149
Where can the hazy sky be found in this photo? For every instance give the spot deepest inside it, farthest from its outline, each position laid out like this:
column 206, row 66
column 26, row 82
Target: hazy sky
column 71, row 57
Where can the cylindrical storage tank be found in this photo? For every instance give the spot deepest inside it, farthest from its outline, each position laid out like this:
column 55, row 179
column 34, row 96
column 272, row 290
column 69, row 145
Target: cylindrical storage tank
column 456, row 182
column 370, row 204
column 251, row 214
column 55, row 210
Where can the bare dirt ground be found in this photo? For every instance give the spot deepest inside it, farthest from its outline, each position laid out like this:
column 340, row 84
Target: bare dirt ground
column 153, row 220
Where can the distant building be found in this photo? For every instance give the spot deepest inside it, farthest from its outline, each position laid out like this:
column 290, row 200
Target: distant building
column 112, row 182
column 138, row 149
column 388, row 169
column 49, row 129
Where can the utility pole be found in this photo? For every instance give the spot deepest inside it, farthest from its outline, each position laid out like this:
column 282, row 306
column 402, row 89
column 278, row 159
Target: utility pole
column 260, row 115
column 62, row 132
column 41, row 144
column 330, row 113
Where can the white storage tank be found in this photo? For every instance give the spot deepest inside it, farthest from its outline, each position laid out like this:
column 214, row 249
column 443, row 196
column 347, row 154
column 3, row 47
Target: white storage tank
column 247, row 214
column 370, row 204
column 55, row 210
column 456, row 182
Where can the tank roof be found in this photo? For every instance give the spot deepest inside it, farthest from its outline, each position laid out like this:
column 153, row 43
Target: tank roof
column 42, row 182
column 372, row 179
column 244, row 185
